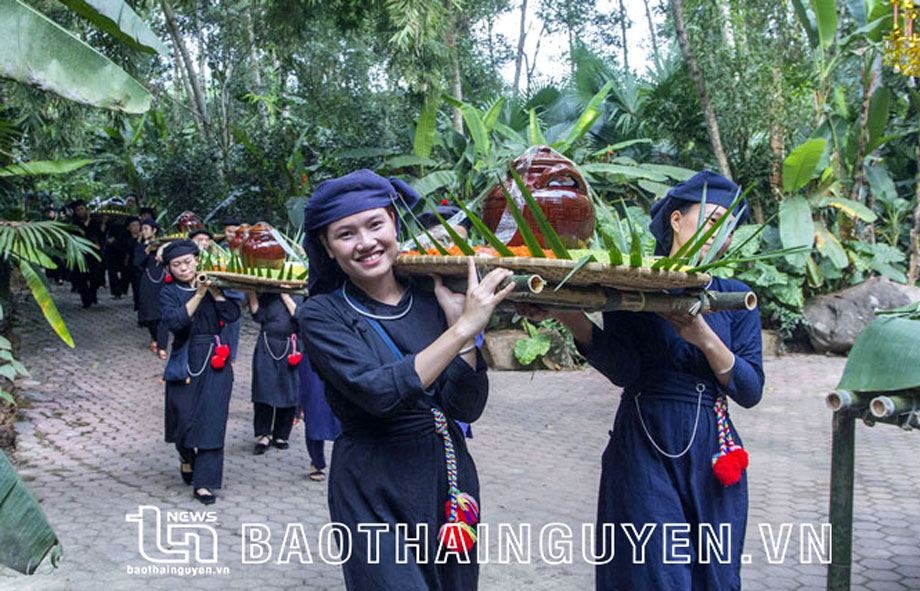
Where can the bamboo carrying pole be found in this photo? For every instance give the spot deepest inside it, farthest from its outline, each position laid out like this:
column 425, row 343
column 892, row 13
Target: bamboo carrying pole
column 261, row 287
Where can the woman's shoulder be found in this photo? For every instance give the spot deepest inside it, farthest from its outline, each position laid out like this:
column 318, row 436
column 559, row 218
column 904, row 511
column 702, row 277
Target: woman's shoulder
column 321, row 306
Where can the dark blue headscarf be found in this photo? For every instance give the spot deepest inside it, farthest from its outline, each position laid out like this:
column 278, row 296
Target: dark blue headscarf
column 339, row 198
column 179, row 248
column 719, row 190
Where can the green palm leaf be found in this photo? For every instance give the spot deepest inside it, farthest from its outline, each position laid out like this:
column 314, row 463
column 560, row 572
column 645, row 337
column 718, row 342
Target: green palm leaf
column 533, row 245
column 43, row 298
column 549, row 233
column 486, row 233
column 26, row 538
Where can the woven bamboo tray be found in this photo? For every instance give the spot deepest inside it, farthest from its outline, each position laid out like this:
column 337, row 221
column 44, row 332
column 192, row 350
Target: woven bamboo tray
column 555, row 270
column 256, row 281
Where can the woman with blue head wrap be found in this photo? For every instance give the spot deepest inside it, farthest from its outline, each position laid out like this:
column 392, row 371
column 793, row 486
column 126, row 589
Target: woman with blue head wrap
column 398, row 363
column 151, row 276
column 660, row 466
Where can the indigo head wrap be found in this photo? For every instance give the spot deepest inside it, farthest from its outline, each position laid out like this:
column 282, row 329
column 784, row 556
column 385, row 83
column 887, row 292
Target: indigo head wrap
column 339, row 198
column 719, row 190
column 230, row 221
column 150, row 222
column 179, row 248
column 194, row 233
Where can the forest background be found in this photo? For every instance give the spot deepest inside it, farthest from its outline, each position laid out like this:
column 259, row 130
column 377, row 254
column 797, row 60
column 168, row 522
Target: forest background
column 255, row 102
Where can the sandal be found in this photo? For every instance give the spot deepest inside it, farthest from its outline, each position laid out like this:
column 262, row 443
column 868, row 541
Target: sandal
column 153, row 346
column 280, row 443
column 207, row 497
column 316, row 474
column 163, row 354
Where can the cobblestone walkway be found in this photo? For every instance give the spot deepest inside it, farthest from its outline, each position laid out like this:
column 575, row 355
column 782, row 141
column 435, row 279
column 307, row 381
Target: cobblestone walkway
column 91, row 448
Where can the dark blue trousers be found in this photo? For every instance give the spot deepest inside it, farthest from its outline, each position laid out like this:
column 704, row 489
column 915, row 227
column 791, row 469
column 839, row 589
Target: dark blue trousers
column 208, row 466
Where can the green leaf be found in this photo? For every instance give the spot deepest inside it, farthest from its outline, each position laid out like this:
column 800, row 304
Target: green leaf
column 581, row 263
column 534, row 134
column 884, row 357
column 426, row 127
column 120, row 21
column 43, row 298
column 857, row 10
column 849, row 207
column 659, row 190
column 613, row 252
column 829, row 246
column 485, row 232
column 527, row 350
column 8, row 371
column 7, row 397
column 550, row 237
column 35, row 50
column 878, row 116
column 677, row 173
column 436, row 180
column 796, row 226
column 409, row 160
column 587, row 118
column 477, row 129
column 533, row 245
column 38, row 167
column 621, row 145
column 465, row 248
column 881, row 184
column 799, row 166
column 26, row 538
column 807, row 21
column 826, row 16
column 5, row 343
column 621, row 173
column 491, row 116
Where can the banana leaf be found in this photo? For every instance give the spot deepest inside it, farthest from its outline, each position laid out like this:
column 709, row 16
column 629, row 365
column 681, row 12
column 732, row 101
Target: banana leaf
column 37, row 51
column 36, row 167
column 26, row 538
column 885, row 357
column 121, row 22
column 40, row 292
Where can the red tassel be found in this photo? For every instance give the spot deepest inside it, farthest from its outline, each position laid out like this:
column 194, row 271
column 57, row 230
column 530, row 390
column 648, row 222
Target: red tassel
column 222, row 351
column 457, row 537
column 217, row 362
column 221, row 322
column 728, row 467
column 467, row 509
column 444, row 201
column 168, row 278
column 294, row 358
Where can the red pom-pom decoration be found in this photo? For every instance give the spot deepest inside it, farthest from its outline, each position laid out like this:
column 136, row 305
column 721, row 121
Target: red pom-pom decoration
column 168, row 278
column 222, row 351
column 221, row 322
column 294, row 358
column 457, row 537
column 467, row 509
column 729, row 466
column 444, row 202
column 218, row 362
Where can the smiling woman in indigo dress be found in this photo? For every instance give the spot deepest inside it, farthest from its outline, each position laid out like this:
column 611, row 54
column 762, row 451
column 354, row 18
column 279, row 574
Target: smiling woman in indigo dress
column 198, row 376
column 398, row 363
column 674, row 457
column 275, row 376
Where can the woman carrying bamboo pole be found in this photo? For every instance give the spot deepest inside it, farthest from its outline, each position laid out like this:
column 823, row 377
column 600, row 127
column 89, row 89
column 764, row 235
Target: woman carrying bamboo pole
column 198, row 375
column 398, row 363
column 674, row 457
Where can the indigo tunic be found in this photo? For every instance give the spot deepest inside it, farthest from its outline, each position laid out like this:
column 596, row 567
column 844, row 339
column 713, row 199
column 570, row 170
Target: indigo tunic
column 668, row 398
column 196, row 412
column 152, row 275
column 275, row 381
column 388, row 464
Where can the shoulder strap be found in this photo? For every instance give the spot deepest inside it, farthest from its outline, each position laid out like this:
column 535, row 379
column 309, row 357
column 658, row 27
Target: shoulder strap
column 376, row 326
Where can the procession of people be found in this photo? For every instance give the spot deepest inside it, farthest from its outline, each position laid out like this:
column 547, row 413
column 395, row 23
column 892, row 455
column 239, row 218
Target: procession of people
column 393, row 373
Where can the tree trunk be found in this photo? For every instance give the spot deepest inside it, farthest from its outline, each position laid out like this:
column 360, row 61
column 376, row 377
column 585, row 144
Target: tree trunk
column 654, row 38
column 255, row 67
column 532, row 64
column 777, row 139
column 623, row 36
column 712, row 124
column 519, row 56
column 456, row 81
column 199, row 101
column 914, row 264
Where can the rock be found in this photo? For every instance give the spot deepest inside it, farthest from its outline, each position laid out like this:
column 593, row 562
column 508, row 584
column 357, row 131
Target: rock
column 772, row 343
column 834, row 320
column 498, row 351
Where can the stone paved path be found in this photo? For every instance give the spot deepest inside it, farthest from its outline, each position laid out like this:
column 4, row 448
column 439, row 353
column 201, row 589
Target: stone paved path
column 91, row 449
